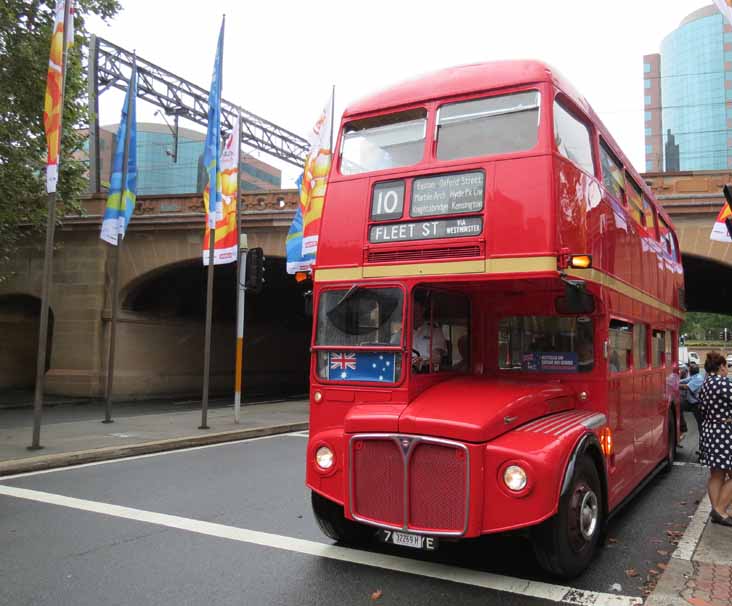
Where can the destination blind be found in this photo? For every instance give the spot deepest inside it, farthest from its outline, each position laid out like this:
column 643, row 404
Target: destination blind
column 425, row 230
column 448, row 194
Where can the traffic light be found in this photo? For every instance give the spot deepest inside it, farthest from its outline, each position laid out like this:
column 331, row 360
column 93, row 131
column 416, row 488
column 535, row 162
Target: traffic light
column 721, row 335
column 255, row 270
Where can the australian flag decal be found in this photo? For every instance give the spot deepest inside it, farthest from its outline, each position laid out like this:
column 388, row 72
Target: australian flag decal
column 371, row 366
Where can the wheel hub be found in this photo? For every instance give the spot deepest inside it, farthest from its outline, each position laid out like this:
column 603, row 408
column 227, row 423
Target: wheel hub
column 588, row 515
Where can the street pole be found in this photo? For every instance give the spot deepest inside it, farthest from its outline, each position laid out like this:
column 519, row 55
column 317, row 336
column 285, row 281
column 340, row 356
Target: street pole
column 212, row 195
column 116, row 252
column 93, row 94
column 209, row 304
column 48, row 261
column 240, row 292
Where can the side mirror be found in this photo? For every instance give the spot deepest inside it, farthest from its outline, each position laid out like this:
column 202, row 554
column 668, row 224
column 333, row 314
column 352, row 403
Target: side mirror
column 576, row 300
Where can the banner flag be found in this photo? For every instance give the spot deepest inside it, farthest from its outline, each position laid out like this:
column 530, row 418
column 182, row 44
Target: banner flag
column 226, row 247
column 719, row 231
column 212, row 149
column 122, row 197
column 725, row 7
column 314, row 183
column 53, row 101
column 296, row 261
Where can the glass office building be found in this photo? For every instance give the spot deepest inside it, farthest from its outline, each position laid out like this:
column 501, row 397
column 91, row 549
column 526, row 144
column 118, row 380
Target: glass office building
column 164, row 168
column 688, row 96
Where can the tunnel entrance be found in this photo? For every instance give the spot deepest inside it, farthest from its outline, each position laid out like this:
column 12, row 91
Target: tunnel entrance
column 161, row 334
column 19, row 326
column 708, row 285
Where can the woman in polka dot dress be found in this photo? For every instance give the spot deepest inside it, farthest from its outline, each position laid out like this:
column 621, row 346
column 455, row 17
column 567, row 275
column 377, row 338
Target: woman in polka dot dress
column 715, row 443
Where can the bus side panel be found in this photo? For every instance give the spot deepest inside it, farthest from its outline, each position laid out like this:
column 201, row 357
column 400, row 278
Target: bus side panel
column 520, row 216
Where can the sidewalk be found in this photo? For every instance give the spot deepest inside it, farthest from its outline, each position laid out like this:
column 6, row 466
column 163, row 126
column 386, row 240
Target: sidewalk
column 700, row 570
column 72, row 437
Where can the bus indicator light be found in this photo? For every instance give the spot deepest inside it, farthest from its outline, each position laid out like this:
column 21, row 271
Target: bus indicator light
column 606, row 442
column 580, row 261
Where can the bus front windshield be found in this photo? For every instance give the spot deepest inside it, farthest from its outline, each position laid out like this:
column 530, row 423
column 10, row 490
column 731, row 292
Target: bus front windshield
column 360, row 317
column 383, row 142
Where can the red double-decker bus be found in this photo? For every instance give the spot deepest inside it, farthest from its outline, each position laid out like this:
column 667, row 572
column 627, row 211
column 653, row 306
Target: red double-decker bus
column 497, row 301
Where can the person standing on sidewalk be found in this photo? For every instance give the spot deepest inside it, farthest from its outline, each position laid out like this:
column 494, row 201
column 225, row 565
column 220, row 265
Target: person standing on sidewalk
column 690, row 387
column 715, row 443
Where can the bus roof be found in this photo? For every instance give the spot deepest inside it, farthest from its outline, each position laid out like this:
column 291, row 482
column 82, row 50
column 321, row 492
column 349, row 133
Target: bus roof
column 477, row 77
column 460, row 80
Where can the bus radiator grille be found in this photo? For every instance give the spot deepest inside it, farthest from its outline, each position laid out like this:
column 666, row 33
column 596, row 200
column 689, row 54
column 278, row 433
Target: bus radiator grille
column 453, row 252
column 378, row 468
column 437, row 484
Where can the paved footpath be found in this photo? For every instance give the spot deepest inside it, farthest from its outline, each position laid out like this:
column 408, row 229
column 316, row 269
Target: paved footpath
column 75, row 435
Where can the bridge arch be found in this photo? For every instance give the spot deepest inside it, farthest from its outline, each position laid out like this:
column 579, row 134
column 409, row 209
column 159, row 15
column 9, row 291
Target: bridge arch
column 19, row 326
column 160, row 334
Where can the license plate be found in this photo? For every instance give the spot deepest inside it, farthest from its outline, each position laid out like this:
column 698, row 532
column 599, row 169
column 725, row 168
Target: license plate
column 407, row 539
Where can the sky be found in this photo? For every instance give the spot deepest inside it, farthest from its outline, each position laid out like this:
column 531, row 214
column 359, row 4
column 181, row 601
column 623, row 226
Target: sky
column 282, row 58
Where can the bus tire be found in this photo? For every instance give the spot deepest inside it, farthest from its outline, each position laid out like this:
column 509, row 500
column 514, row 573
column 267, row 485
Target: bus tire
column 671, row 444
column 334, row 524
column 565, row 544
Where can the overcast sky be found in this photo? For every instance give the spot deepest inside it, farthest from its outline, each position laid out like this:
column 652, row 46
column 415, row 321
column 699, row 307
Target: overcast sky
column 281, row 58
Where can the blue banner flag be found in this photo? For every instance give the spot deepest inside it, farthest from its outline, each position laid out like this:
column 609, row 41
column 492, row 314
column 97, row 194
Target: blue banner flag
column 376, row 366
column 296, row 260
column 212, row 149
column 121, row 199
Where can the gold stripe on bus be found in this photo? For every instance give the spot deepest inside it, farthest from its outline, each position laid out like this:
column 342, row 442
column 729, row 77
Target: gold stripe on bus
column 483, row 266
column 520, row 265
column 338, row 274
column 594, row 275
column 424, row 269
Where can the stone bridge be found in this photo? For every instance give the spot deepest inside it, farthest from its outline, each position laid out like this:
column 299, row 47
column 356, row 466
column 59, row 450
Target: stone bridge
column 162, row 294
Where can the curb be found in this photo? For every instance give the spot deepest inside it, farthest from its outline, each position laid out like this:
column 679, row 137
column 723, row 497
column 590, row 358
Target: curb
column 80, row 457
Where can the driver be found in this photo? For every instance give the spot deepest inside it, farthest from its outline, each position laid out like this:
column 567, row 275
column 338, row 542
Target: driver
column 424, row 332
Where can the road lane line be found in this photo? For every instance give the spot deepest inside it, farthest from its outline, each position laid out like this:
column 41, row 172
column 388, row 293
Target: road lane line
column 692, row 535
column 143, row 456
column 486, row 580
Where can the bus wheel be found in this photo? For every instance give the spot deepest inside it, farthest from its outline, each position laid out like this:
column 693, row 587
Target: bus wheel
column 334, row 524
column 671, row 446
column 564, row 544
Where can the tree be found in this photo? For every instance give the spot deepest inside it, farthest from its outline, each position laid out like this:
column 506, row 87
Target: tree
column 25, row 38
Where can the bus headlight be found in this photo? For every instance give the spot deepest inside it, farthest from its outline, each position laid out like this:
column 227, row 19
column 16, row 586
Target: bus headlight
column 515, row 478
column 324, row 457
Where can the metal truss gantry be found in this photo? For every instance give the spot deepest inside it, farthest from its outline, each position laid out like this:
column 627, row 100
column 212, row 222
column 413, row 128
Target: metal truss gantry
column 109, row 66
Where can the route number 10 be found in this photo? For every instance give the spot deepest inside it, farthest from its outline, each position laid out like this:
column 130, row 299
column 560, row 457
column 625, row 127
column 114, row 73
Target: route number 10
column 387, row 201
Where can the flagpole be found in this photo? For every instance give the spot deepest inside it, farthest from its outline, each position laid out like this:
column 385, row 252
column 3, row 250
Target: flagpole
column 240, row 292
column 332, row 119
column 212, row 195
column 48, row 259
column 117, row 251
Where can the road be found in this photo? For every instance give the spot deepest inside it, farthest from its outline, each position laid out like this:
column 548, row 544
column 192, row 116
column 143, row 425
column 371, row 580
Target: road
column 231, row 524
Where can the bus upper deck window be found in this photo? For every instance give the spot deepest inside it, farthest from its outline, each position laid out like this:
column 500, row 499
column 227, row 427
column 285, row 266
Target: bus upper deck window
column 383, row 142
column 493, row 125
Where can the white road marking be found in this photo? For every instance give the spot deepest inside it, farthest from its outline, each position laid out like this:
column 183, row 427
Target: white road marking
column 537, row 589
column 299, row 434
column 144, row 456
column 692, row 535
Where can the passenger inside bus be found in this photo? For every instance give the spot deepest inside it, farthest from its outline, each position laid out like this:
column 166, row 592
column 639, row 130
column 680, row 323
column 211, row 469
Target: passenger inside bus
column 444, row 319
column 428, row 343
